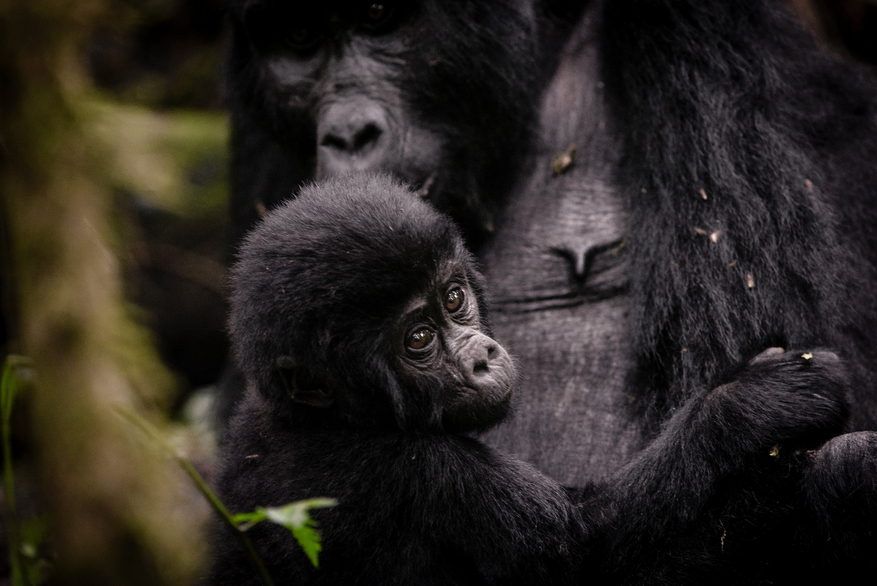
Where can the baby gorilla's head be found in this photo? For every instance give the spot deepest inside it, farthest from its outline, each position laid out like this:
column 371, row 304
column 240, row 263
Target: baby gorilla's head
column 359, row 299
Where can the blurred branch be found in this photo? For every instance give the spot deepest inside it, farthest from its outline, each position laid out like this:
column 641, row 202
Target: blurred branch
column 185, row 264
column 205, row 490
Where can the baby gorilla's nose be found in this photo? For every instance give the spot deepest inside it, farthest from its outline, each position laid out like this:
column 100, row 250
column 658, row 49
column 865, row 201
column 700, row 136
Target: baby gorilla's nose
column 479, row 351
column 485, row 363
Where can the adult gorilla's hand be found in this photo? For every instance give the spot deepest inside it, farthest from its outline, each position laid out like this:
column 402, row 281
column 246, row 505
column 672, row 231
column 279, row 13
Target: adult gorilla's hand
column 729, row 462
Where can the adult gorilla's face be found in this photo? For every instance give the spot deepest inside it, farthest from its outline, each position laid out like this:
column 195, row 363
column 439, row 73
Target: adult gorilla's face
column 440, row 94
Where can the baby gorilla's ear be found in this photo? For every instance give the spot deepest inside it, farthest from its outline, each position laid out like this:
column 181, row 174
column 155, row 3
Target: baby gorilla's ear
column 302, row 386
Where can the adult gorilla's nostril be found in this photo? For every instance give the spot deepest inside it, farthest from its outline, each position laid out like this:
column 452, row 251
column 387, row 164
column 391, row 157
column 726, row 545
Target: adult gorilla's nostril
column 367, row 137
column 335, row 142
column 352, row 136
column 360, row 141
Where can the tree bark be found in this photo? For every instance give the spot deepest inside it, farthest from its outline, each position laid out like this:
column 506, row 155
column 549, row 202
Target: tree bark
column 119, row 512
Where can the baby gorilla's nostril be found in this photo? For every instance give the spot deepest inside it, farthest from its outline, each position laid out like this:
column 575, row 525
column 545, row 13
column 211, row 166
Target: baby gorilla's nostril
column 482, row 364
column 480, row 367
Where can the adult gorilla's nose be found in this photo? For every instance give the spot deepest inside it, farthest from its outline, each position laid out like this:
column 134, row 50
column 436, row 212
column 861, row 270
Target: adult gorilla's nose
column 352, row 135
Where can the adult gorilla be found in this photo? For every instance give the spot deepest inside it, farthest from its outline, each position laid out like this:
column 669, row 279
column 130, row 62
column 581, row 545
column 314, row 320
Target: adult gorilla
column 719, row 201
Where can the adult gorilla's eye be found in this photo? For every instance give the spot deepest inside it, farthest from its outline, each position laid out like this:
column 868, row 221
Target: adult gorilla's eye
column 420, row 339
column 454, row 300
column 276, row 27
column 300, row 36
column 377, row 15
column 304, row 39
column 376, row 12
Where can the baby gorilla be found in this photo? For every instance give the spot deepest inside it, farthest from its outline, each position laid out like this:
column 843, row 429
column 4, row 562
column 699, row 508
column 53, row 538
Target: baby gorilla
column 359, row 319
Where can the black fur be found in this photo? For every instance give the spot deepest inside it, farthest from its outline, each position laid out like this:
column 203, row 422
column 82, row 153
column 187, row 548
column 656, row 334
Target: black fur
column 735, row 98
column 719, row 117
column 424, row 79
column 426, row 76
column 322, row 282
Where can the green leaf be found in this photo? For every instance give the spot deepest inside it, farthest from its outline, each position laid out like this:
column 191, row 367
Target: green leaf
column 309, row 540
column 16, row 373
column 250, row 517
column 296, row 517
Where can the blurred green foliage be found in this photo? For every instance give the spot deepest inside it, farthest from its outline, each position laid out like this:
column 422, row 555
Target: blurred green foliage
column 174, row 160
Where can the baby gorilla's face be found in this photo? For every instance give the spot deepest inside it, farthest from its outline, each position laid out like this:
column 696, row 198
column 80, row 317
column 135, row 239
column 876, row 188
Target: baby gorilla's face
column 439, row 336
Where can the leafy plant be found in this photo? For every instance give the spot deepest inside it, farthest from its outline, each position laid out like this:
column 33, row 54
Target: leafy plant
column 14, row 379
column 294, row 516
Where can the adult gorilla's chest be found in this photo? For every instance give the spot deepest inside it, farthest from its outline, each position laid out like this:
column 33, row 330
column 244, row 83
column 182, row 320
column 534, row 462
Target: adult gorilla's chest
column 559, row 292
column 558, row 276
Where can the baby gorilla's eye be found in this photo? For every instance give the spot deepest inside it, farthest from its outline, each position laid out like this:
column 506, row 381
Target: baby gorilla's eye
column 454, row 300
column 420, row 339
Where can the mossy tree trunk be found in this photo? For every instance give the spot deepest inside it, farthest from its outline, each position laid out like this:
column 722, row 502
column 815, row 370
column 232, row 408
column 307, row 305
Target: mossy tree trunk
column 118, row 511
